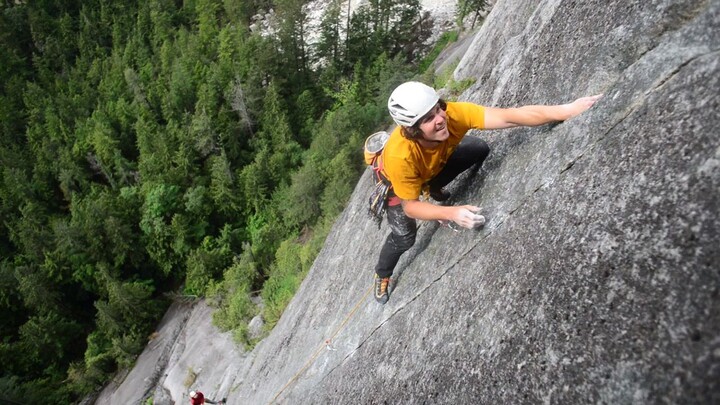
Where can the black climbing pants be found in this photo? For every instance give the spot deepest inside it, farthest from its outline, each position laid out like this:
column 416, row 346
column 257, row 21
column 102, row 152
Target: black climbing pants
column 470, row 151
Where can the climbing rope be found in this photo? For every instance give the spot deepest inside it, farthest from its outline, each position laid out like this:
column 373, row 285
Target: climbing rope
column 325, row 345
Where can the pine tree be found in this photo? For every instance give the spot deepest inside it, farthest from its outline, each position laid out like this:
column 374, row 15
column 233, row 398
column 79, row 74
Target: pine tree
column 470, row 7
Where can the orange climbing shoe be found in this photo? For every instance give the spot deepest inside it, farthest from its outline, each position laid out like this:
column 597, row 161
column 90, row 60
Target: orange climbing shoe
column 382, row 293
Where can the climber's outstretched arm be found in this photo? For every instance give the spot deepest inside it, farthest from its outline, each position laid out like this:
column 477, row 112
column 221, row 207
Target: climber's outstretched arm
column 533, row 115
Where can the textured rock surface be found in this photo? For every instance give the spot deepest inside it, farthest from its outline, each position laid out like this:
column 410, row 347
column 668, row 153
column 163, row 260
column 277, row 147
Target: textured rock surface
column 143, row 378
column 596, row 279
column 187, row 352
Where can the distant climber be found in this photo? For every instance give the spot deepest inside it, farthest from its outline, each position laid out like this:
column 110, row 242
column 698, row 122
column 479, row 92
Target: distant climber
column 428, row 149
column 197, row 398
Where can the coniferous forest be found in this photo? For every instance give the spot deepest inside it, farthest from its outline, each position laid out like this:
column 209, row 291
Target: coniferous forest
column 162, row 149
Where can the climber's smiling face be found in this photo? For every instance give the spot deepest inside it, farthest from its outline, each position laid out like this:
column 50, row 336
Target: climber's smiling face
column 434, row 126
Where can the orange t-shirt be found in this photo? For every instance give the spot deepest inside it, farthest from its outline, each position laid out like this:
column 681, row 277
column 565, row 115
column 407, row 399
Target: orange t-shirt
column 409, row 166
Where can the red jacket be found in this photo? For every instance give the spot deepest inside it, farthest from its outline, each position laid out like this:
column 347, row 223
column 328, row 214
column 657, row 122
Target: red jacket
column 198, row 400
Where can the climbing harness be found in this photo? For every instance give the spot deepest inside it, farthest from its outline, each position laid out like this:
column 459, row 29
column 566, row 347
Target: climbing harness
column 378, row 200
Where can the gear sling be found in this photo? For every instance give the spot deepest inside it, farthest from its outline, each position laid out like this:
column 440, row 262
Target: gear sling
column 381, row 195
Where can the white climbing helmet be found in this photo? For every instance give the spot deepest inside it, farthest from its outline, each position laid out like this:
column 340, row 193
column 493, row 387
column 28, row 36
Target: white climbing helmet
column 193, row 394
column 410, row 101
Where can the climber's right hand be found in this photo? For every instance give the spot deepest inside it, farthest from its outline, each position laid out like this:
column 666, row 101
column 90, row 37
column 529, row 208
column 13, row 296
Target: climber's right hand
column 467, row 216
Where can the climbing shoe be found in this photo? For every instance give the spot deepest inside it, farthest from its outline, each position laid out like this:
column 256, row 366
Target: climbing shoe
column 382, row 287
column 439, row 195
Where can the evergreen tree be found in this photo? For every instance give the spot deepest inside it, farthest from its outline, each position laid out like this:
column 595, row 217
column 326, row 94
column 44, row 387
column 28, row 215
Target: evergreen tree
column 470, row 7
column 292, row 37
column 329, row 48
column 394, row 27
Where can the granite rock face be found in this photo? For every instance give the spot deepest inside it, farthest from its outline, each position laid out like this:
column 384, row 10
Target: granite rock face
column 597, row 276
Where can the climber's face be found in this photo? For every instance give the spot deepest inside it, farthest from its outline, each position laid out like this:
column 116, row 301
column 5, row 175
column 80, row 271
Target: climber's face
column 434, row 125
